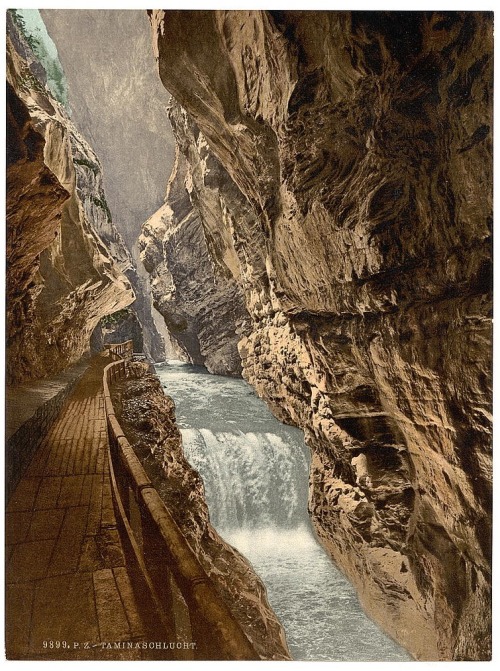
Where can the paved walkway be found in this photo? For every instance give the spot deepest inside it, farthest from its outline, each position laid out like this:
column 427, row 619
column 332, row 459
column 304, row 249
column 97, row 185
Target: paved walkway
column 68, row 589
column 23, row 400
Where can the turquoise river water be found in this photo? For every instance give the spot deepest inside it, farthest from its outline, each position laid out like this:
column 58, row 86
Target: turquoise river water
column 255, row 471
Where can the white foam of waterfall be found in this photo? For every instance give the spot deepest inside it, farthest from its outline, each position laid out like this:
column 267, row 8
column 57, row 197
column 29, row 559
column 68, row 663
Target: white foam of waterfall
column 251, row 479
column 255, row 472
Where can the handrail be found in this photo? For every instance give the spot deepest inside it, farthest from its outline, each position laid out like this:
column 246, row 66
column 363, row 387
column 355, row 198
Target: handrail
column 122, row 350
column 189, row 599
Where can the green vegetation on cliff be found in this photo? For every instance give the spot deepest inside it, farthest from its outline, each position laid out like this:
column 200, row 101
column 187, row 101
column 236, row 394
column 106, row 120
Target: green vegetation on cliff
column 33, row 30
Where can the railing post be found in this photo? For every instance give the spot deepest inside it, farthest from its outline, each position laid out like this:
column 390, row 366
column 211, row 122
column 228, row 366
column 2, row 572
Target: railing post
column 135, row 517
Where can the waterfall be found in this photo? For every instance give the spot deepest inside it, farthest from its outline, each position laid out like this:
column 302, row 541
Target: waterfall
column 255, row 472
column 252, row 480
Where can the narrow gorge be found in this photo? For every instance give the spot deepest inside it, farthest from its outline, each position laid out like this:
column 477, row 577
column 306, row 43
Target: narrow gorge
column 230, row 208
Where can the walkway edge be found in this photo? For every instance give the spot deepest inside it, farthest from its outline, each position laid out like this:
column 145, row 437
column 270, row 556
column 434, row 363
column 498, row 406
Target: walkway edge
column 214, row 627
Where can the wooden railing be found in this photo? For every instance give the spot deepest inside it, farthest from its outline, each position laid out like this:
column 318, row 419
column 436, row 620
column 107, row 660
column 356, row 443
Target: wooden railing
column 191, row 610
column 119, row 351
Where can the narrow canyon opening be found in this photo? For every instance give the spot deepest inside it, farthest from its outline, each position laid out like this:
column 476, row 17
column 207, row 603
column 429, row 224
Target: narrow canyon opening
column 249, row 298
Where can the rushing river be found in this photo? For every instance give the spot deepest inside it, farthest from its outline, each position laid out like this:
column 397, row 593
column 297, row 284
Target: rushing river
column 255, row 471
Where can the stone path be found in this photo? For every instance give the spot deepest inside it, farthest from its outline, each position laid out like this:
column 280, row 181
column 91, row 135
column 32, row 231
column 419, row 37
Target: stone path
column 67, row 587
column 23, row 400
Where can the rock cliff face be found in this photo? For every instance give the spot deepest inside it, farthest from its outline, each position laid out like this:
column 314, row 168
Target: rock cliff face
column 194, row 269
column 148, row 419
column 360, row 144
column 112, row 83
column 118, row 104
column 61, row 277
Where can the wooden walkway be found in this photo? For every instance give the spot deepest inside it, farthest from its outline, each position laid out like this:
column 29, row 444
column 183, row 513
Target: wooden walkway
column 68, row 591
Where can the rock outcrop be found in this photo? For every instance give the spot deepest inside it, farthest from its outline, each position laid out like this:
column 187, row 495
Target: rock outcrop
column 361, row 146
column 61, row 277
column 107, row 107
column 121, row 112
column 118, row 328
column 194, row 269
column 148, row 419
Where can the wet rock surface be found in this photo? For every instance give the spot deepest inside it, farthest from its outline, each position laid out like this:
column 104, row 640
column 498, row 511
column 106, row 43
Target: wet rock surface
column 147, row 417
column 360, row 145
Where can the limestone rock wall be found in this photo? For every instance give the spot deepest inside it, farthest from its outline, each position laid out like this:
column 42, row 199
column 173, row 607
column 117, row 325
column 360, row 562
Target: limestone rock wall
column 360, row 144
column 61, row 277
column 189, row 254
column 118, row 104
column 113, row 85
